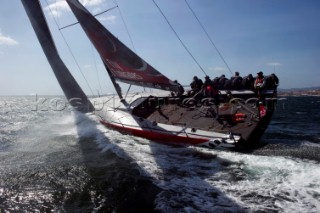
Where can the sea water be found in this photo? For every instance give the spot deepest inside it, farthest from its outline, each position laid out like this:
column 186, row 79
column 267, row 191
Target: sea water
column 55, row 160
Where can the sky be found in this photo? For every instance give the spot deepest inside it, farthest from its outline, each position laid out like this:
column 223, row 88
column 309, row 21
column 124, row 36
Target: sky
column 273, row 36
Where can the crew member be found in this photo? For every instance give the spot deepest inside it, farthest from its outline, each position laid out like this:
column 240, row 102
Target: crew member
column 236, row 81
column 259, row 85
column 222, row 81
column 248, row 82
column 196, row 86
column 207, row 87
column 272, row 81
column 180, row 89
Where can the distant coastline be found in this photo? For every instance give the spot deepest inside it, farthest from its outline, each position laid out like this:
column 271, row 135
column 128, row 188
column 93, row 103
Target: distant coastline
column 310, row 91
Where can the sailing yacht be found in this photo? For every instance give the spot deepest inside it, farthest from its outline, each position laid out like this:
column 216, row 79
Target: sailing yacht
column 239, row 118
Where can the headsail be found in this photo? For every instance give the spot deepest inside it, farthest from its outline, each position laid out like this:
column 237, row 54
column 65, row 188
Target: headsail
column 70, row 87
column 123, row 63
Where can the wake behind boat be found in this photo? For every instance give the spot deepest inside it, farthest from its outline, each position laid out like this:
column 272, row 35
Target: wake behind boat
column 233, row 117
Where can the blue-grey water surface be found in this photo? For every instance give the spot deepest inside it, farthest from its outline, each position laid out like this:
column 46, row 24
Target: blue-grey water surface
column 56, row 160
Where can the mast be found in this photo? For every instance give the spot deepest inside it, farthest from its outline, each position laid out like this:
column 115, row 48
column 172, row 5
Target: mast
column 115, row 84
column 68, row 84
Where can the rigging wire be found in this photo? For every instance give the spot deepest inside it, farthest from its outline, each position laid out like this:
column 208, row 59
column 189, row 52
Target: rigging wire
column 179, row 38
column 69, row 25
column 69, row 49
column 96, row 68
column 209, row 37
column 124, row 23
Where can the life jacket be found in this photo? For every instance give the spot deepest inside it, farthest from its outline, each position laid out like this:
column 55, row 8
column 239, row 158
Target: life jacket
column 259, row 82
column 211, row 91
column 239, row 117
column 262, row 111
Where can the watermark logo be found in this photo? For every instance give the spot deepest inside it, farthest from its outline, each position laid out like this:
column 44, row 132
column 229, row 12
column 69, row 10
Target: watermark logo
column 41, row 103
column 46, row 104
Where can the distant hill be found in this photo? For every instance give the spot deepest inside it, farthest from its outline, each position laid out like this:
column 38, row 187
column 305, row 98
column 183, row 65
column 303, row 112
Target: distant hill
column 306, row 91
column 299, row 89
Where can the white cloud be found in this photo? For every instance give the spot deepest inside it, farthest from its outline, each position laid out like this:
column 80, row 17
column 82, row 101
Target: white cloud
column 91, row 2
column 274, row 64
column 6, row 40
column 57, row 8
column 109, row 19
column 87, row 66
column 217, row 69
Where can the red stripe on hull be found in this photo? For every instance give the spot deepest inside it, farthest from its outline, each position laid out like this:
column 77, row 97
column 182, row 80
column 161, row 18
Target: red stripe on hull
column 156, row 136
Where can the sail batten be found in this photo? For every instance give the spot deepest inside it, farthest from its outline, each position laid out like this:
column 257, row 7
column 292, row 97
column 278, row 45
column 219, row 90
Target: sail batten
column 123, row 64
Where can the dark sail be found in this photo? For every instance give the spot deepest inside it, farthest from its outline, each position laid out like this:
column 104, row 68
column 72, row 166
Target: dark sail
column 70, row 87
column 123, row 63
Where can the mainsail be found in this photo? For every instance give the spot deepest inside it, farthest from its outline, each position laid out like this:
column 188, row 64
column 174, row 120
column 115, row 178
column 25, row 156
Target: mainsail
column 70, row 87
column 122, row 63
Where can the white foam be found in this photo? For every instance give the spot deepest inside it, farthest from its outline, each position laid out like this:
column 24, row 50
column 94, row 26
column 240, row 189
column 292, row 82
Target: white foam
column 291, row 185
column 308, row 143
column 228, row 182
